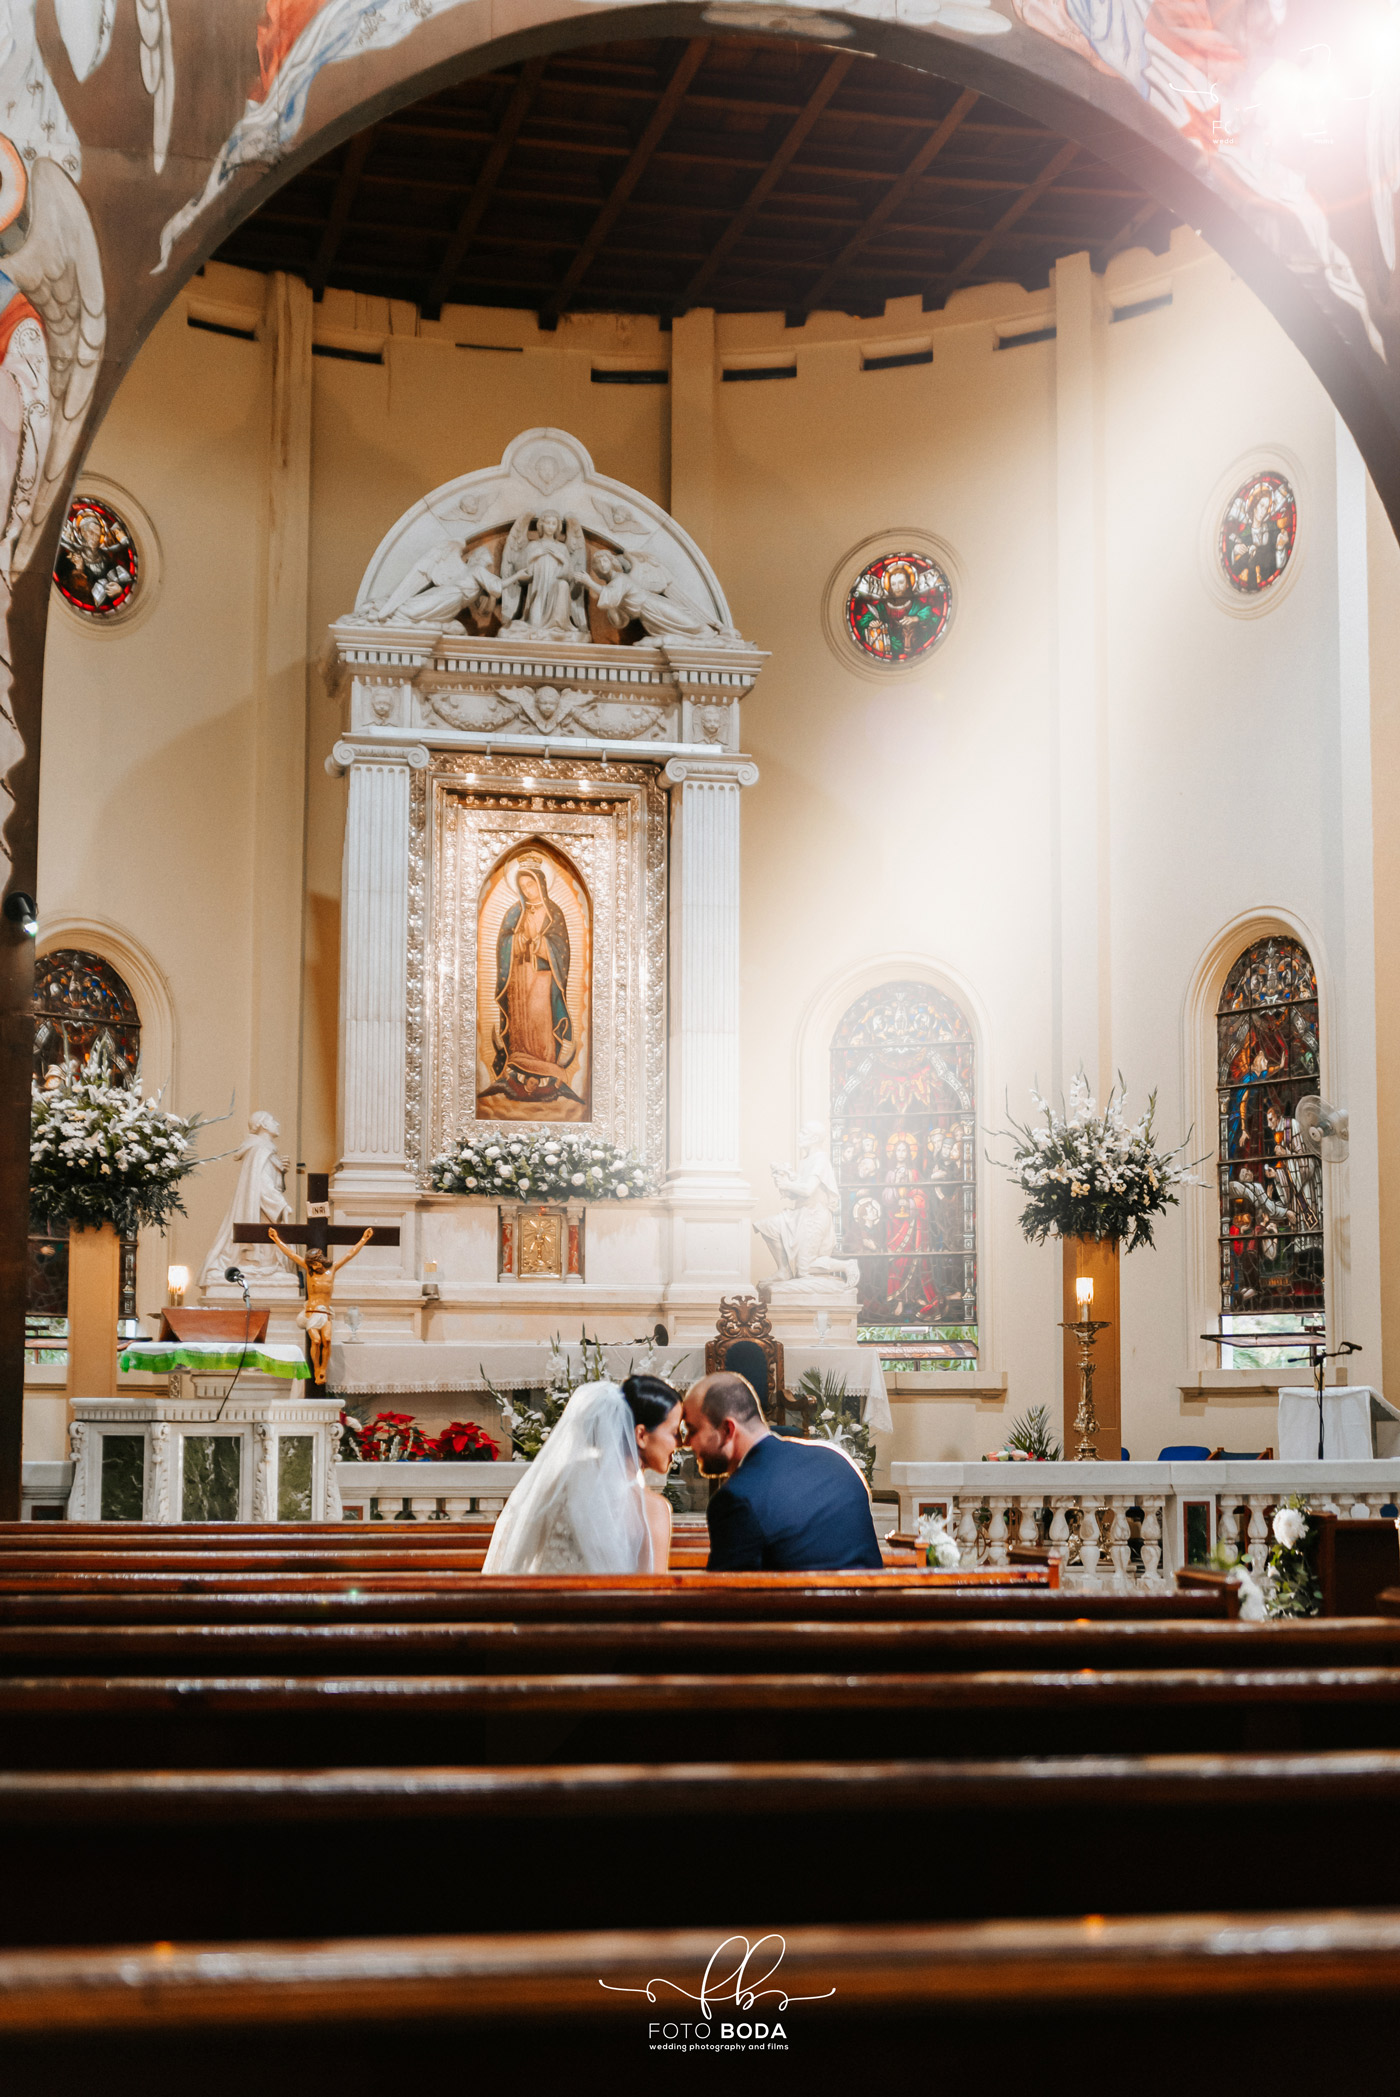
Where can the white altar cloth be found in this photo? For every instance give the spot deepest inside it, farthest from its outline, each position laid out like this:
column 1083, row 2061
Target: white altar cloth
column 388, row 1369
column 1349, row 1416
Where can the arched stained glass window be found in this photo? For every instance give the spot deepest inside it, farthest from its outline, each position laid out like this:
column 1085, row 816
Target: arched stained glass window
column 1270, row 1188
column 81, row 1005
column 903, row 1141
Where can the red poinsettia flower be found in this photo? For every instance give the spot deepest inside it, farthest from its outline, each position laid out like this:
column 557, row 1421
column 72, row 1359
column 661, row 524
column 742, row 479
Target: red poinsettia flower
column 463, row 1442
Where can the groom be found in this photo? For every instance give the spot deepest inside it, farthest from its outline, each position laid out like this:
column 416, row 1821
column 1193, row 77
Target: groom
column 788, row 1506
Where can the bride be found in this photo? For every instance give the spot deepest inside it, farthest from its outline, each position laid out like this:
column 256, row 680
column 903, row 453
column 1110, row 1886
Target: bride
column 584, row 1506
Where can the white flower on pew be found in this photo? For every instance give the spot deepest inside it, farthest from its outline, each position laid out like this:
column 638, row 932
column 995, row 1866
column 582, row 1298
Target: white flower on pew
column 1290, row 1526
column 942, row 1549
column 1252, row 1607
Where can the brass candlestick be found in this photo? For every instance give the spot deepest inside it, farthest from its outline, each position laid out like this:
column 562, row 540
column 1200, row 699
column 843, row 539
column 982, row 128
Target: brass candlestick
column 1086, row 1331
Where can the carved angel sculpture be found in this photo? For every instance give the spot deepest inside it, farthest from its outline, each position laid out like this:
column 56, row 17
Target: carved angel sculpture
column 633, row 586
column 440, row 586
column 548, row 568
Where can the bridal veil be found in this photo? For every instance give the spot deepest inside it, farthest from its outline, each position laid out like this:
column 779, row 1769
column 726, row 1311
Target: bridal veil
column 580, row 1507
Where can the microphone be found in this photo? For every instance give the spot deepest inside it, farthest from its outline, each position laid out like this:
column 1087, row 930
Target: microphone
column 234, row 1274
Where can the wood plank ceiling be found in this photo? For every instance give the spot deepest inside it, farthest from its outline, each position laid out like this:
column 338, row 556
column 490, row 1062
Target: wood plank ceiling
column 650, row 177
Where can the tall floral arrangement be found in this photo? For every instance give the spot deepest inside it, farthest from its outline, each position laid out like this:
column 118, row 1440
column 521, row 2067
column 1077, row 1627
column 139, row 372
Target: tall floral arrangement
column 1088, row 1174
column 100, row 1153
column 531, row 1421
column 540, row 1168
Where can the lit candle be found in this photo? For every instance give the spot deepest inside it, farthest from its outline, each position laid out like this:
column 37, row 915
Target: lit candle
column 1084, row 1292
column 177, row 1281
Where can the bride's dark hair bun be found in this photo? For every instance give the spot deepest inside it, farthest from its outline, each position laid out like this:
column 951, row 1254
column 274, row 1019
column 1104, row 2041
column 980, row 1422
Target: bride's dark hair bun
column 650, row 1399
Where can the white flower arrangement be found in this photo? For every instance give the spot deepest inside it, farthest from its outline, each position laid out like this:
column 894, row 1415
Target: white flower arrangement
column 940, row 1548
column 1094, row 1175
column 1253, row 1607
column 100, row 1153
column 531, row 1422
column 1290, row 1525
column 540, row 1168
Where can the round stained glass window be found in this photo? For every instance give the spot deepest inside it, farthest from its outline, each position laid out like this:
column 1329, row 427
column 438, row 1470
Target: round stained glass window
column 98, row 570
column 1258, row 533
column 898, row 608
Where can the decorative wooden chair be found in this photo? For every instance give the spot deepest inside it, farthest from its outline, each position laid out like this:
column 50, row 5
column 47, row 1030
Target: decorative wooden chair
column 744, row 1345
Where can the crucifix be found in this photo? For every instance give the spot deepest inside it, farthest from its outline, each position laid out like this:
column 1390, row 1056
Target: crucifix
column 317, row 1235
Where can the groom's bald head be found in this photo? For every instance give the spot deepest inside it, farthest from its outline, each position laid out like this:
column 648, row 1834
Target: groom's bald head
column 725, row 1396
column 723, row 1420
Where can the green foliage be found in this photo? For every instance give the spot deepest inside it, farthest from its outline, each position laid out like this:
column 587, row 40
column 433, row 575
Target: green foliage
column 1032, row 1434
column 839, row 1418
column 1293, row 1587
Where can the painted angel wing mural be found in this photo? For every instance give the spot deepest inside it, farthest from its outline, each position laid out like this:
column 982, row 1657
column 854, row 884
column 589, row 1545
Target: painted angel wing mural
column 86, row 28
column 50, row 270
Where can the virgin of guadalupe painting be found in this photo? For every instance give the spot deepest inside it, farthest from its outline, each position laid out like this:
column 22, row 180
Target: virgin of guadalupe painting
column 533, row 1003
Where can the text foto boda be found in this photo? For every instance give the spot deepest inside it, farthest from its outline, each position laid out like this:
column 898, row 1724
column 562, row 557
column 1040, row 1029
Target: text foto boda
column 745, row 1989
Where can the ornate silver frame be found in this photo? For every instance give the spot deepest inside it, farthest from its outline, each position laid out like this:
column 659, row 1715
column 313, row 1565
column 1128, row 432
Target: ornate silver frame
column 611, row 818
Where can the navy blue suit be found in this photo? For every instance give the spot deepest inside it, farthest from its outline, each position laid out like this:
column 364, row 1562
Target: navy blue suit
column 792, row 1507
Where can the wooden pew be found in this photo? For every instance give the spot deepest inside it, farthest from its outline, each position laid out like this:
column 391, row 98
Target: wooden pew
column 541, row 1648
column 350, row 2015
column 130, row 1722
column 160, row 1855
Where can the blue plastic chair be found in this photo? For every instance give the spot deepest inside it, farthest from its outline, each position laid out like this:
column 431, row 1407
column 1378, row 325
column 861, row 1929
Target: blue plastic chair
column 1184, row 1453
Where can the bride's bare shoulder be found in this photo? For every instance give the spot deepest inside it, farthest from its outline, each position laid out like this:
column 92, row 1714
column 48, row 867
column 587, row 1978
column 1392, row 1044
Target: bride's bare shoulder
column 658, row 1512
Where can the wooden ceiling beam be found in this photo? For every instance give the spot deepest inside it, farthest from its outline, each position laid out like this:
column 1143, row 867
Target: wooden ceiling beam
column 687, row 66
column 894, row 196
column 777, row 167
column 1128, row 232
column 351, row 172
column 482, row 190
column 1051, row 172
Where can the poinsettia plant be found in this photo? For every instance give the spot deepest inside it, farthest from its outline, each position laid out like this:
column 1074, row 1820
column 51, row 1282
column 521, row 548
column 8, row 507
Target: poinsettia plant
column 464, row 1442
column 389, row 1438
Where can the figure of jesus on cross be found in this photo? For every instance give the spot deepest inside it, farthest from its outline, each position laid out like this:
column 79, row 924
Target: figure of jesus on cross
column 317, row 1235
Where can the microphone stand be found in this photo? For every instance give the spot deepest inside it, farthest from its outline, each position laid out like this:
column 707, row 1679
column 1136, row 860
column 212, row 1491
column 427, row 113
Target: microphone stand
column 1319, row 1354
column 236, row 1274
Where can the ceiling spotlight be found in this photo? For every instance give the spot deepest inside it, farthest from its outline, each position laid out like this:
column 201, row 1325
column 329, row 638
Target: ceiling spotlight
column 23, row 911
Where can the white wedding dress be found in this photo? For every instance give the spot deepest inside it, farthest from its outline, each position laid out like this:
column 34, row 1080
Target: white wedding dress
column 581, row 1507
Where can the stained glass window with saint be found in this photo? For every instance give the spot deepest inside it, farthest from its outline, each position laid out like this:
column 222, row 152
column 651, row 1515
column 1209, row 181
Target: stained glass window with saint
column 81, row 1005
column 1270, row 1188
column 903, row 1140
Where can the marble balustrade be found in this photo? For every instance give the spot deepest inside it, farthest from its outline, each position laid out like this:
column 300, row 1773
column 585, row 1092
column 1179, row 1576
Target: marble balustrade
column 1113, row 1524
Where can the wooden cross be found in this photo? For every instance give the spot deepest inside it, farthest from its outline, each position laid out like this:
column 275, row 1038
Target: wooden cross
column 318, row 1233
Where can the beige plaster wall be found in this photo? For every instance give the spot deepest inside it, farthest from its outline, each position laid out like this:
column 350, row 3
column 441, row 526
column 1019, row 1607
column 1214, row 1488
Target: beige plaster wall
column 936, row 822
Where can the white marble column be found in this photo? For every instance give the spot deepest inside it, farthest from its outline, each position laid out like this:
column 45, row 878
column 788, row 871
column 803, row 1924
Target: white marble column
column 374, row 970
column 709, row 1196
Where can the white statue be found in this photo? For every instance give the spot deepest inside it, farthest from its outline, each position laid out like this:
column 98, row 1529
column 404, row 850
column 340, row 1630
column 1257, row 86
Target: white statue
column 547, row 567
column 441, row 586
column 259, row 1197
column 801, row 1235
column 633, row 586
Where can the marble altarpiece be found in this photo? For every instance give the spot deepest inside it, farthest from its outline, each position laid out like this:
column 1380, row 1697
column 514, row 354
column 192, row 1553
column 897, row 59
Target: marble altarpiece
column 540, row 907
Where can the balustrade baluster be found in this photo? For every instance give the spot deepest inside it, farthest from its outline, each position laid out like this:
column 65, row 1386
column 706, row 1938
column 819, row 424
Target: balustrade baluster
column 423, row 1510
column 996, row 1528
column 455, row 1507
column 1152, row 1505
column 965, row 1518
column 1259, row 1535
column 389, row 1506
column 1227, row 1527
column 1059, row 1539
column 1090, row 1549
column 1029, row 1531
column 1120, row 1537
